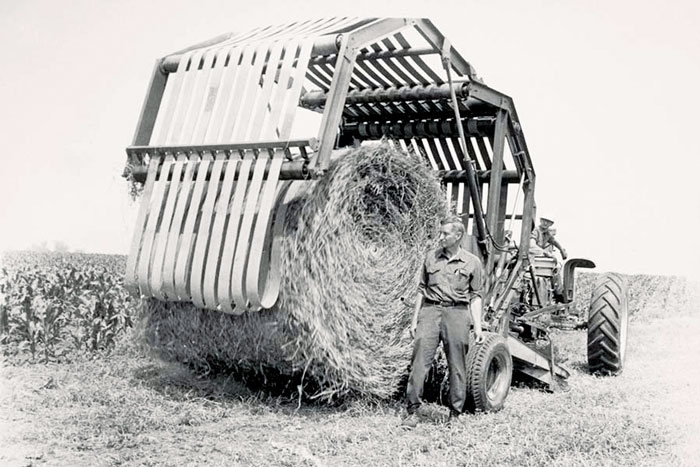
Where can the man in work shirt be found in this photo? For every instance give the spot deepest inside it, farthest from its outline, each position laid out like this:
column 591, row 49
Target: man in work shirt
column 542, row 242
column 448, row 303
column 542, row 239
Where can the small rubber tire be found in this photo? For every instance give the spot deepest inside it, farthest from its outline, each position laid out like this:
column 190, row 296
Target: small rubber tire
column 489, row 372
column 608, row 320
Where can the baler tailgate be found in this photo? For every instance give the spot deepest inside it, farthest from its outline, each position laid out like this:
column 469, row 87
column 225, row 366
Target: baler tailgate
column 203, row 227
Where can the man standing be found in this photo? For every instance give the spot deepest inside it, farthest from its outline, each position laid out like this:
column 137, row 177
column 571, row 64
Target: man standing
column 448, row 302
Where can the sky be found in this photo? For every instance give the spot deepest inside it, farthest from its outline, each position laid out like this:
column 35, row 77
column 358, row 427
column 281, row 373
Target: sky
column 605, row 92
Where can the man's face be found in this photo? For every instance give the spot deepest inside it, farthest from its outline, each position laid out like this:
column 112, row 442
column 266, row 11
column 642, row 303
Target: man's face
column 449, row 236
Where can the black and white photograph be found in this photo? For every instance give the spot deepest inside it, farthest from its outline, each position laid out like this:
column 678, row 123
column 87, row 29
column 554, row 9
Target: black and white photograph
column 398, row 233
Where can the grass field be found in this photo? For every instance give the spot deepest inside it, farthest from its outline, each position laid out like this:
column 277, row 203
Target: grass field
column 129, row 408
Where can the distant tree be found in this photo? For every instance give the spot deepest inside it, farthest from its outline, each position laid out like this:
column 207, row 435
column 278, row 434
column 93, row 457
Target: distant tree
column 40, row 247
column 60, row 246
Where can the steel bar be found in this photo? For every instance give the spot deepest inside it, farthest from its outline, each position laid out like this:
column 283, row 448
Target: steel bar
column 502, row 208
column 324, row 45
column 336, row 97
column 149, row 111
column 474, row 189
column 290, row 170
column 494, row 193
column 377, row 55
column 428, row 30
column 159, row 150
column 503, row 300
column 533, row 358
column 516, row 217
column 528, row 212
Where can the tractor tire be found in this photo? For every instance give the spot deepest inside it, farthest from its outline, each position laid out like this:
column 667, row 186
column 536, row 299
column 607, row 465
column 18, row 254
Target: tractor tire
column 608, row 319
column 489, row 371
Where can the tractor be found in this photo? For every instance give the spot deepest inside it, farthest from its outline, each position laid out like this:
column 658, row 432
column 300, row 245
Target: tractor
column 229, row 126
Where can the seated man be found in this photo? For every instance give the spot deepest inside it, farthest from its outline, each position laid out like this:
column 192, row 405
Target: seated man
column 542, row 239
column 542, row 243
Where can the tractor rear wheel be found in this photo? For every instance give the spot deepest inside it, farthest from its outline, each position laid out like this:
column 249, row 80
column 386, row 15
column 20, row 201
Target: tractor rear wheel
column 489, row 370
column 608, row 320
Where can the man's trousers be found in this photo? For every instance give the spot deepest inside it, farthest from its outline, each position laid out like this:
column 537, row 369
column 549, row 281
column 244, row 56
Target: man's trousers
column 451, row 326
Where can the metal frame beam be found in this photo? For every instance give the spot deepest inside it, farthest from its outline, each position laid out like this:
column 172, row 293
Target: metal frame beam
column 494, row 195
column 350, row 44
column 151, row 104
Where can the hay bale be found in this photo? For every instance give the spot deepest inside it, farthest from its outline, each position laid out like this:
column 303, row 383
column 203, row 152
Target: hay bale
column 354, row 243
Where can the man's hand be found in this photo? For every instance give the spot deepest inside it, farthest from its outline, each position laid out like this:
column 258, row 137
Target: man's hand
column 416, row 312
column 478, row 336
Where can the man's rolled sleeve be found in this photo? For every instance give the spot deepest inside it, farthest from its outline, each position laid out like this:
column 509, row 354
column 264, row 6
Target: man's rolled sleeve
column 477, row 282
column 423, row 280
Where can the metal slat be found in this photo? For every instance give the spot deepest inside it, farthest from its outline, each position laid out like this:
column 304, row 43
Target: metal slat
column 432, row 76
column 170, row 101
column 484, row 152
column 416, row 77
column 195, row 131
column 472, row 153
column 191, row 114
column 220, row 105
column 130, row 277
column 266, row 296
column 166, row 224
column 203, row 229
column 213, row 281
column 161, row 124
column 183, row 264
column 181, row 208
column 225, row 295
column 151, row 205
column 183, row 122
column 244, row 96
column 213, row 262
column 149, row 236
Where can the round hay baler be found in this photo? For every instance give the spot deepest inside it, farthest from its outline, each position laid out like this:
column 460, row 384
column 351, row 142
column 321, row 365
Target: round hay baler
column 293, row 178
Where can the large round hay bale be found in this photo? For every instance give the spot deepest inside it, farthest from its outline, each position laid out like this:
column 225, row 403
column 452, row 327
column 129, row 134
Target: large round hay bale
column 354, row 243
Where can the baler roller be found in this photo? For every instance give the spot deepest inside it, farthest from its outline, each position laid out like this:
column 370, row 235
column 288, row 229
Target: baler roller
column 290, row 170
column 323, row 46
column 315, row 99
column 294, row 166
column 417, row 129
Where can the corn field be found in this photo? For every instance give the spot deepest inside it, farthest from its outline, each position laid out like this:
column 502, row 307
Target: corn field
column 54, row 304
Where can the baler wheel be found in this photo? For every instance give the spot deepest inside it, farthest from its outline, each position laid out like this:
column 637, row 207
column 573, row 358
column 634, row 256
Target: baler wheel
column 489, row 371
column 608, row 320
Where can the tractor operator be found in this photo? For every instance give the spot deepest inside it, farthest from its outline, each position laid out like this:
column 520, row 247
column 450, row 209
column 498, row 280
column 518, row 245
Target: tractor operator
column 542, row 242
column 542, row 239
column 448, row 302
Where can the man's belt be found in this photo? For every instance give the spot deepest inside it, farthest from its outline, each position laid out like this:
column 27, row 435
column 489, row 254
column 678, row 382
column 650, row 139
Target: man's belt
column 445, row 303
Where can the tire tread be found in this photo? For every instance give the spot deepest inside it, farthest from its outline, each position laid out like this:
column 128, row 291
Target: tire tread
column 607, row 311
